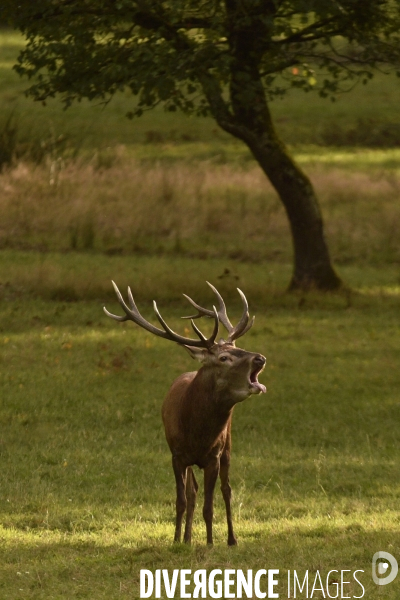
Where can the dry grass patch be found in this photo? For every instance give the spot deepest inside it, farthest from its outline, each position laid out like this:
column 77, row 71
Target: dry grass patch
column 122, row 205
column 82, row 206
column 362, row 213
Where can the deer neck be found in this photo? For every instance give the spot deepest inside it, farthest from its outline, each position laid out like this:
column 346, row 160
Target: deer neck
column 211, row 395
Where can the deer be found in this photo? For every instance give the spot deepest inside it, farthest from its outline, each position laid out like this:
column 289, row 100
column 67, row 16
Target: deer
column 197, row 411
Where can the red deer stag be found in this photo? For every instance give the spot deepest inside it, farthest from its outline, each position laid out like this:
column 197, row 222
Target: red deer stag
column 197, row 411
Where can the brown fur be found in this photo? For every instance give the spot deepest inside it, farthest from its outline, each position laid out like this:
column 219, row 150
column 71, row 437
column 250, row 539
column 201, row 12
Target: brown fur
column 197, row 411
column 197, row 414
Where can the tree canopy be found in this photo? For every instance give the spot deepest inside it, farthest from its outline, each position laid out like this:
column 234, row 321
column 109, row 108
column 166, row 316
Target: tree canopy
column 226, row 58
column 180, row 52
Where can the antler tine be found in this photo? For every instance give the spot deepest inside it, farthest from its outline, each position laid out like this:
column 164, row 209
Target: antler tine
column 214, row 334
column 222, row 314
column 197, row 330
column 122, row 303
column 243, row 326
column 233, row 332
column 204, row 342
column 134, row 315
column 248, row 326
column 204, row 312
column 201, row 312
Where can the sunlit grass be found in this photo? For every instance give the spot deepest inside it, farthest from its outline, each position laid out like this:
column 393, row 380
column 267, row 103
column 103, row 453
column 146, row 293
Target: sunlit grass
column 386, row 290
column 350, row 158
column 87, row 496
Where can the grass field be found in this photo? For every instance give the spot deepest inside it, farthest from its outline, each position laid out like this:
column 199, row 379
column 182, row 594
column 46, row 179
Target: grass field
column 87, row 496
column 163, row 204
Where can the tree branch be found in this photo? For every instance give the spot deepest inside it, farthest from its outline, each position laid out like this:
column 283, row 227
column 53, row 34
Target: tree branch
column 302, row 36
column 142, row 16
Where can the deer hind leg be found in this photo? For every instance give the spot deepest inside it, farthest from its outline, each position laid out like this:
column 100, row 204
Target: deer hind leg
column 227, row 494
column 191, row 493
column 180, row 478
column 210, row 478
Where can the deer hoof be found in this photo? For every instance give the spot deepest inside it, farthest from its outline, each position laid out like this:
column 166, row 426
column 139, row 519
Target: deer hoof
column 232, row 541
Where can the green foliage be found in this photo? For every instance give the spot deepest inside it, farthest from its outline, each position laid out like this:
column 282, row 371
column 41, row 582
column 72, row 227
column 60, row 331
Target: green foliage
column 89, row 127
column 182, row 54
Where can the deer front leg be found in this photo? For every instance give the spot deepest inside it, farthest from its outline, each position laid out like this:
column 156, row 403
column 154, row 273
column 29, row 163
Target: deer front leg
column 180, row 478
column 210, row 478
column 227, row 493
column 191, row 493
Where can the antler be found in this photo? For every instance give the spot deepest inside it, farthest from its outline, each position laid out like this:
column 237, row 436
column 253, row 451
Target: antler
column 234, row 332
column 133, row 314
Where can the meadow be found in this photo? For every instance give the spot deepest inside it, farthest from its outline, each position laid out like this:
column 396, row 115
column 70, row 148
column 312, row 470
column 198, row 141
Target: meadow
column 163, row 204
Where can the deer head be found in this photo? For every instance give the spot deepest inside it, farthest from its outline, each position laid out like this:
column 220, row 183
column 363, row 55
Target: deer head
column 235, row 369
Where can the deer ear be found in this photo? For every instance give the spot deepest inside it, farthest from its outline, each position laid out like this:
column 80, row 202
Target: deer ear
column 199, row 354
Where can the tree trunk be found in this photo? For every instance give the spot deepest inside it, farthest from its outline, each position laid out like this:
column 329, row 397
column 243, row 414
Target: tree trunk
column 249, row 119
column 312, row 264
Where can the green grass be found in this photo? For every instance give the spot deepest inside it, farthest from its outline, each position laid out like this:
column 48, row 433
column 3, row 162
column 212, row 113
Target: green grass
column 76, row 276
column 87, row 495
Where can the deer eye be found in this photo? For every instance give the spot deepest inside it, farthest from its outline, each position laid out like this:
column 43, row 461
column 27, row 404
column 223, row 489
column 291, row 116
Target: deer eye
column 223, row 358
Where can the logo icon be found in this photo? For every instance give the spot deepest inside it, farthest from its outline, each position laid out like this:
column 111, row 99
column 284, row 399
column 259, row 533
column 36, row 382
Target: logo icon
column 382, row 567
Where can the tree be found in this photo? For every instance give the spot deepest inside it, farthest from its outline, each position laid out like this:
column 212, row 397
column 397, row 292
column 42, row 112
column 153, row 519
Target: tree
column 225, row 58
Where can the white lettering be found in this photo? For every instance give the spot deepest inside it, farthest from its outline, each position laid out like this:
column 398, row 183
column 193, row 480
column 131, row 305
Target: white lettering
column 232, row 583
column 184, row 583
column 359, row 583
column 343, row 582
column 272, row 582
column 320, row 589
column 305, row 581
column 333, row 583
column 246, row 584
column 145, row 574
column 215, row 587
column 200, row 579
column 257, row 591
column 157, row 587
column 170, row 587
column 228, row 583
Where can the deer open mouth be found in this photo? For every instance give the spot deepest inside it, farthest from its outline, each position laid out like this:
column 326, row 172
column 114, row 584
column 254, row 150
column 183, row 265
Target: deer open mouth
column 255, row 385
